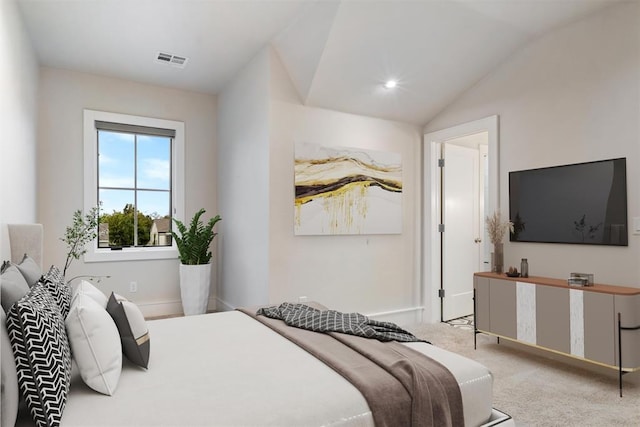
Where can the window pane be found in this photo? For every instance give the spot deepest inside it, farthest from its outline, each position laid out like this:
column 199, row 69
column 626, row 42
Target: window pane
column 154, row 220
column 154, row 162
column 116, row 218
column 154, row 203
column 116, row 154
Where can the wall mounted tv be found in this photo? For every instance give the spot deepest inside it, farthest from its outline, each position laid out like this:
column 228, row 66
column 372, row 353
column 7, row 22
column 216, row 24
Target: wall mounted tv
column 583, row 203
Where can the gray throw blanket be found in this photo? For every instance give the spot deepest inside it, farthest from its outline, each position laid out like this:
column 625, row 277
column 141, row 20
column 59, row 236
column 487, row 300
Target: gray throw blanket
column 306, row 317
column 402, row 386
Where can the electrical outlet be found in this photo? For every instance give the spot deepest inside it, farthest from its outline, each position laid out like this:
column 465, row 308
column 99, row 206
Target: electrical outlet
column 303, row 299
column 133, row 287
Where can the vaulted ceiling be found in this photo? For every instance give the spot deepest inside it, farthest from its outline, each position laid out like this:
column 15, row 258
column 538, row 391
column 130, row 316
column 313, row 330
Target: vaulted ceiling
column 338, row 53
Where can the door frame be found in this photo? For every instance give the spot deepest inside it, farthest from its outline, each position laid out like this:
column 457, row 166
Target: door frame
column 431, row 202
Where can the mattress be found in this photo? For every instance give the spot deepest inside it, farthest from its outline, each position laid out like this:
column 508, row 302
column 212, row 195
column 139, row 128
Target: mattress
column 475, row 381
column 227, row 369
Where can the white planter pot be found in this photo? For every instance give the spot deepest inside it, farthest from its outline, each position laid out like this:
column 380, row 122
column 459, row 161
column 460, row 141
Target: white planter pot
column 195, row 284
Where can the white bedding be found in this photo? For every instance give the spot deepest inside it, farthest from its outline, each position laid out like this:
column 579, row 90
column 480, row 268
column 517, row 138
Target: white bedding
column 227, row 369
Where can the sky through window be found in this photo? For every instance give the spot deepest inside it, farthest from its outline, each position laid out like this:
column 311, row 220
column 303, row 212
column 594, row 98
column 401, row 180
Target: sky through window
column 119, row 177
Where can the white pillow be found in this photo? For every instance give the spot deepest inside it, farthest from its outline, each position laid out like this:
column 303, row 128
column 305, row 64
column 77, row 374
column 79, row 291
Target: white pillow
column 90, row 290
column 95, row 344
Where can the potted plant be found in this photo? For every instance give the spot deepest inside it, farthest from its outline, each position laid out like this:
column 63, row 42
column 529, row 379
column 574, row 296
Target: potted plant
column 195, row 261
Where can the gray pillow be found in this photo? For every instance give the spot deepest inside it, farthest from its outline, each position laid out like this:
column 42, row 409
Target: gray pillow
column 30, row 270
column 13, row 286
column 10, row 395
column 132, row 327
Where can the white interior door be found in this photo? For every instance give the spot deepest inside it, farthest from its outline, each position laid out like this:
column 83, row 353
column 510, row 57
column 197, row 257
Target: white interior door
column 432, row 261
column 461, row 238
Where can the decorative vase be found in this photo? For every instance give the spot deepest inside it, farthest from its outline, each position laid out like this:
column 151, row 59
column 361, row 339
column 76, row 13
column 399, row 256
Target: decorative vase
column 497, row 258
column 195, row 285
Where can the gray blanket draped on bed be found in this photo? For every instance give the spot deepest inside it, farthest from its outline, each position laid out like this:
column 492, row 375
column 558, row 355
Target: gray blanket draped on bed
column 401, row 386
column 323, row 320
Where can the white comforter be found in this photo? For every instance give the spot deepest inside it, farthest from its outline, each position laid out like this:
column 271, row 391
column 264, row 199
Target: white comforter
column 226, row 369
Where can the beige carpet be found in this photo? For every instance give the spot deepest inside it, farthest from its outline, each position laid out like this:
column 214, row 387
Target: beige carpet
column 537, row 390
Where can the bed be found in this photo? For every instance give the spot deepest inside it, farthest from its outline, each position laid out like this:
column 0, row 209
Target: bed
column 229, row 369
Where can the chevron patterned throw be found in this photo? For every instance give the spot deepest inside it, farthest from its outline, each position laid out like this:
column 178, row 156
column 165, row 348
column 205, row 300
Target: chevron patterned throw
column 43, row 359
column 313, row 319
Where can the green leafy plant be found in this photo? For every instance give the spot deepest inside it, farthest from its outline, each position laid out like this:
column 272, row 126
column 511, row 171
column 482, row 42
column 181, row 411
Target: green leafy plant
column 193, row 242
column 84, row 228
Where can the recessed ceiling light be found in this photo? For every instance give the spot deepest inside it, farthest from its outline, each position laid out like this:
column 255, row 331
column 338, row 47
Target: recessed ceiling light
column 390, row 84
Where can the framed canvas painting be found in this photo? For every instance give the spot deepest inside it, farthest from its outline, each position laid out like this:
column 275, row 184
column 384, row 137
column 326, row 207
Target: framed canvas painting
column 341, row 190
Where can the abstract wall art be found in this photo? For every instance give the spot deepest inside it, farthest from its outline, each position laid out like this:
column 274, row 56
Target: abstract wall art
column 347, row 191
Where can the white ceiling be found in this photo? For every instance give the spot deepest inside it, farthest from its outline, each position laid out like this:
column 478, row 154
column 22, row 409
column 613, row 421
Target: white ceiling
column 338, row 53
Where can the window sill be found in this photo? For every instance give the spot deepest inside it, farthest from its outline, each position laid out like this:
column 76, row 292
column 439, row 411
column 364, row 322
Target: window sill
column 130, row 254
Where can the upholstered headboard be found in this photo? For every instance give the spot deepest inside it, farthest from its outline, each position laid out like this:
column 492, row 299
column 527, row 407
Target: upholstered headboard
column 25, row 239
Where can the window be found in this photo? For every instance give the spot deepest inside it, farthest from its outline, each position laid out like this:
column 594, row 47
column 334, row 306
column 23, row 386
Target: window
column 134, row 185
column 134, row 170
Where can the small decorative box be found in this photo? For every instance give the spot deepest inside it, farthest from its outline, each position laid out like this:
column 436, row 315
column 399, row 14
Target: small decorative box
column 580, row 279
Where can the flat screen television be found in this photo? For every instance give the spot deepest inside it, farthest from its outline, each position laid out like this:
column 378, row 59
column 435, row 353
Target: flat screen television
column 583, row 203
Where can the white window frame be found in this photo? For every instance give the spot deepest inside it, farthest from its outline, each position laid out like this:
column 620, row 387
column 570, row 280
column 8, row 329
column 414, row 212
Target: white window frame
column 95, row 254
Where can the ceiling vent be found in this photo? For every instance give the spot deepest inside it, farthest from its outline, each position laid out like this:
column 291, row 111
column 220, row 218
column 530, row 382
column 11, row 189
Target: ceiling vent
column 174, row 60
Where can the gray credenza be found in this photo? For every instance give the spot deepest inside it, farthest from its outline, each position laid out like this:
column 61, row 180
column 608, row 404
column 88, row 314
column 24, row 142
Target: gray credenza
column 598, row 324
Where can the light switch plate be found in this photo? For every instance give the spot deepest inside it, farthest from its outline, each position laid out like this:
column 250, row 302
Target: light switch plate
column 636, row 225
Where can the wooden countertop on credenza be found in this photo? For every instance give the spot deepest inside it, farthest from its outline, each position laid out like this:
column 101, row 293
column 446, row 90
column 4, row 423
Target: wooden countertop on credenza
column 562, row 283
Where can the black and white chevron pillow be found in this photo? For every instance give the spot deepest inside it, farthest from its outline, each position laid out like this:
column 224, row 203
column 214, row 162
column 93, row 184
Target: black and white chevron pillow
column 54, row 282
column 43, row 358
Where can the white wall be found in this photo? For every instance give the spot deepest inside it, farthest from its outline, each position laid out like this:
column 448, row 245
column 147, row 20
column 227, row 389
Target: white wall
column 18, row 117
column 369, row 273
column 243, row 186
column 260, row 120
column 62, row 98
column 571, row 96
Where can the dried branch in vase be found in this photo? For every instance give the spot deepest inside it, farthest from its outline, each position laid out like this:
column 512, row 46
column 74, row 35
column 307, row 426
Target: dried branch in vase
column 496, row 227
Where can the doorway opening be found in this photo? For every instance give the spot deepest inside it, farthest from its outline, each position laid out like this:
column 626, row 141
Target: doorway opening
column 461, row 186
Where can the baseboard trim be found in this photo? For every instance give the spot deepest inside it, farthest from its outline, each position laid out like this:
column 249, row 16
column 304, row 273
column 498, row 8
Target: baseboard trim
column 403, row 316
column 168, row 308
column 222, row 305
